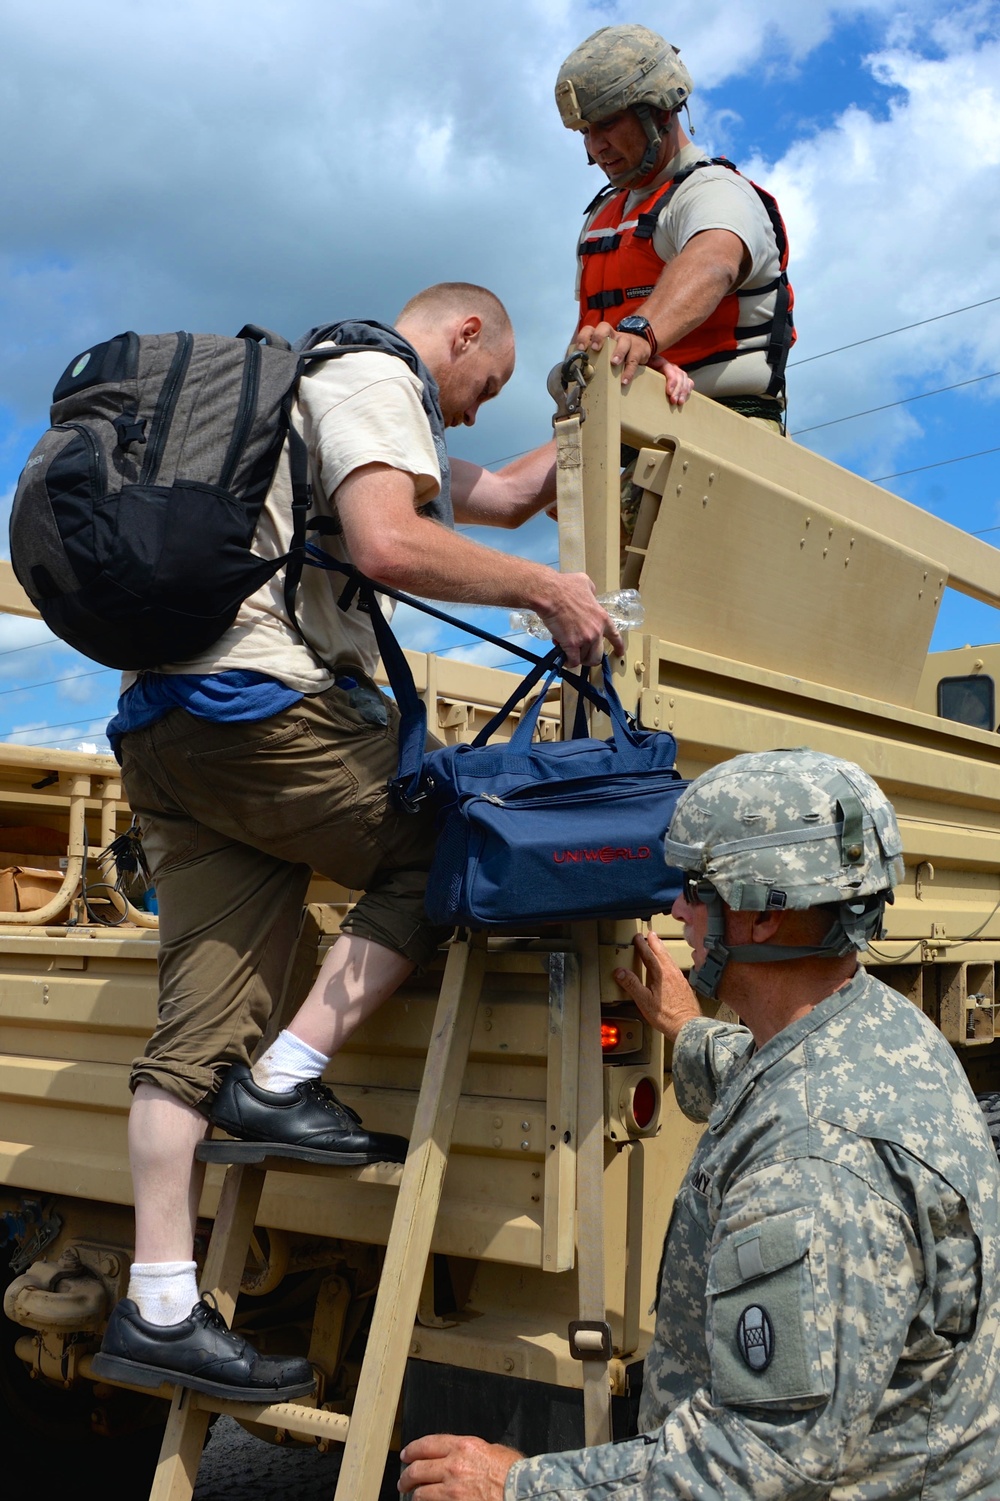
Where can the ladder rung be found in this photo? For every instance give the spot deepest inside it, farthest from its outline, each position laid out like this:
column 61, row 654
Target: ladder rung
column 292, row 1417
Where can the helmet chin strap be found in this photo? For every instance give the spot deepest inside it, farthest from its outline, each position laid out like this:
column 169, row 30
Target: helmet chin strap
column 706, row 977
column 852, row 928
column 653, row 138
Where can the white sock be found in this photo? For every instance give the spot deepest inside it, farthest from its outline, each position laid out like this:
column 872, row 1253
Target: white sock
column 287, row 1062
column 165, row 1291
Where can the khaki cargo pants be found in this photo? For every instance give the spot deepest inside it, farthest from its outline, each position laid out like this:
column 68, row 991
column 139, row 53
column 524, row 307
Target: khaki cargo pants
column 234, row 819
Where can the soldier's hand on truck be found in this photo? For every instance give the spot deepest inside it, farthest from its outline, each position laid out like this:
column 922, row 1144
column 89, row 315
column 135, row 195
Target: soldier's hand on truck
column 449, row 1467
column 667, row 1000
column 630, row 352
column 577, row 622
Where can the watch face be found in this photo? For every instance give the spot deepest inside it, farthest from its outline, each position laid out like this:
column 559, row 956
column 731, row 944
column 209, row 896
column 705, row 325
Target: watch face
column 634, row 324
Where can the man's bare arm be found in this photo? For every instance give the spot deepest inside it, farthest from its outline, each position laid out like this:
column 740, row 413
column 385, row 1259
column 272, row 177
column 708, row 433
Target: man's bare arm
column 507, row 497
column 394, row 545
column 688, row 289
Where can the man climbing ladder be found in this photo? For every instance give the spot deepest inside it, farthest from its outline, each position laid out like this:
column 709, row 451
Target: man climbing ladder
column 266, row 758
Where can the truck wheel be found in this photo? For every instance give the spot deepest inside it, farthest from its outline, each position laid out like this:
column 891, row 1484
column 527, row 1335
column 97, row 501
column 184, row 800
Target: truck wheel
column 55, row 1429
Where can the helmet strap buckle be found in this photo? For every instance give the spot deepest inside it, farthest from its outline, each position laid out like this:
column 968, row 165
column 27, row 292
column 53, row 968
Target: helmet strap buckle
column 705, row 979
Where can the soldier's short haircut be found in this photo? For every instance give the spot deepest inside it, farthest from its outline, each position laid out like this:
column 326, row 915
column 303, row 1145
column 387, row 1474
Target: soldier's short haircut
column 446, row 298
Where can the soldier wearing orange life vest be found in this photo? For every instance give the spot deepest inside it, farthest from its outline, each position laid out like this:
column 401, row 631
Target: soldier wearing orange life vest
column 682, row 259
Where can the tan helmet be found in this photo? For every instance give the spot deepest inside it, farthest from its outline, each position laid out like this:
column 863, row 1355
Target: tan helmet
column 619, row 68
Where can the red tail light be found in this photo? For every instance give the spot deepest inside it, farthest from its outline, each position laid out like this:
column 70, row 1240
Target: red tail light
column 644, row 1103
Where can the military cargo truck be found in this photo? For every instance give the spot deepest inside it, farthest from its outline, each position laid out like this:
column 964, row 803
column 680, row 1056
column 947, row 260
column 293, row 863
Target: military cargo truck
column 788, row 602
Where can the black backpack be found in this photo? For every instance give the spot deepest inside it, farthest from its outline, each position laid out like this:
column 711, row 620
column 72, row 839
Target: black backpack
column 134, row 517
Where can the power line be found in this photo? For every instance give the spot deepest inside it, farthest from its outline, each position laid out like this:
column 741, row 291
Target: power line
column 901, row 403
column 507, row 457
column 958, row 459
column 66, row 742
column 890, row 331
column 72, row 678
column 62, row 725
column 13, row 650
column 442, row 651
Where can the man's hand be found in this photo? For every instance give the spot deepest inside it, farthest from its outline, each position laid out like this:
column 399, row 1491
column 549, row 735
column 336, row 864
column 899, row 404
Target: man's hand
column 445, row 1467
column 668, row 1001
column 631, row 351
column 577, row 622
column 679, row 383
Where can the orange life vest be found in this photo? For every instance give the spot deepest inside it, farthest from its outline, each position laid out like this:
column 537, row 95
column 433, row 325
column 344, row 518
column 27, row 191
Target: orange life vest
column 619, row 269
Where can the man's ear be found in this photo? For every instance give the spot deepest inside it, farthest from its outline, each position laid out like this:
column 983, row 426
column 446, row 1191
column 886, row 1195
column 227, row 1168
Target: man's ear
column 765, row 926
column 467, row 333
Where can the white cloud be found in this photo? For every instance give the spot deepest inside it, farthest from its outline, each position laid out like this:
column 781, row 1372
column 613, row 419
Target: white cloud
column 415, row 631
column 327, row 157
column 86, row 684
column 892, row 221
column 20, row 631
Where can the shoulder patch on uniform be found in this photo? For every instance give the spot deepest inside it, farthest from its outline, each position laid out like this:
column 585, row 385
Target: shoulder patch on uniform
column 755, row 1337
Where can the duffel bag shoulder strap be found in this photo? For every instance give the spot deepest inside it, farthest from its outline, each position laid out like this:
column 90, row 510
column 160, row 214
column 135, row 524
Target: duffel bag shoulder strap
column 406, row 786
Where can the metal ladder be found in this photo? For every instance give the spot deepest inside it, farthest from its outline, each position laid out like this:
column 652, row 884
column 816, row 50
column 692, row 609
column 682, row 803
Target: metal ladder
column 367, row 1432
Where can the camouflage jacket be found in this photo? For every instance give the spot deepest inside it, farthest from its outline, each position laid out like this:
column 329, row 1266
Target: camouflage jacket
column 828, row 1319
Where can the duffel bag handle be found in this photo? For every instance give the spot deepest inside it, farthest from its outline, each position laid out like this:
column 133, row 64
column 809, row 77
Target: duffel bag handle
column 607, row 702
column 549, row 665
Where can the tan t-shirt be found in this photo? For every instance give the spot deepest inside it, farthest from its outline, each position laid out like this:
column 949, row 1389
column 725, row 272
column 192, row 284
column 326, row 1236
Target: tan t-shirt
column 716, row 198
column 361, row 408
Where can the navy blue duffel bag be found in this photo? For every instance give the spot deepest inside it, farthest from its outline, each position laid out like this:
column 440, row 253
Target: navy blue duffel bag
column 556, row 831
column 553, row 831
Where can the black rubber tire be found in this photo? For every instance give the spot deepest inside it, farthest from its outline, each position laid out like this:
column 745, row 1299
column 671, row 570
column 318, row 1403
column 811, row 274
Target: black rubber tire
column 53, row 1429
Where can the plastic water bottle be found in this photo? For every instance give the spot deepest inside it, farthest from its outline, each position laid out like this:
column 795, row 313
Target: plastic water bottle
column 623, row 605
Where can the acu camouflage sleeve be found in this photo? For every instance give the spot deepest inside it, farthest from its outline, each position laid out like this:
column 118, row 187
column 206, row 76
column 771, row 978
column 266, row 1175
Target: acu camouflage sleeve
column 706, row 1055
column 812, row 1288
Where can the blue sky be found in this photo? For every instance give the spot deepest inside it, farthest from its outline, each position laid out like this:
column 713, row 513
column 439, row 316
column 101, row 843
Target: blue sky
column 289, row 163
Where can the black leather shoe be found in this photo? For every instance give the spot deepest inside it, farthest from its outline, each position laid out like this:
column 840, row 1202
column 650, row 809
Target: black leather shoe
column 308, row 1123
column 200, row 1352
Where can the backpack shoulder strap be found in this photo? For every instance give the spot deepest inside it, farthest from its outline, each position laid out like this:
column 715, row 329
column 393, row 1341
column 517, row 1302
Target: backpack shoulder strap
column 298, row 467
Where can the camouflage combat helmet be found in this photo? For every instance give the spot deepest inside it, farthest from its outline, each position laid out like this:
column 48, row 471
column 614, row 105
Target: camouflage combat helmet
column 786, row 829
column 619, row 68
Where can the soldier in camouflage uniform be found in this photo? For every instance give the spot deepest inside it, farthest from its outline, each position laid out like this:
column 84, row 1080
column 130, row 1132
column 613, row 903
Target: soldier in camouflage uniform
column 828, row 1320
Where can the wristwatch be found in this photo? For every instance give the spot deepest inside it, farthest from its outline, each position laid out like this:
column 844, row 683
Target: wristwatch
column 635, row 323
